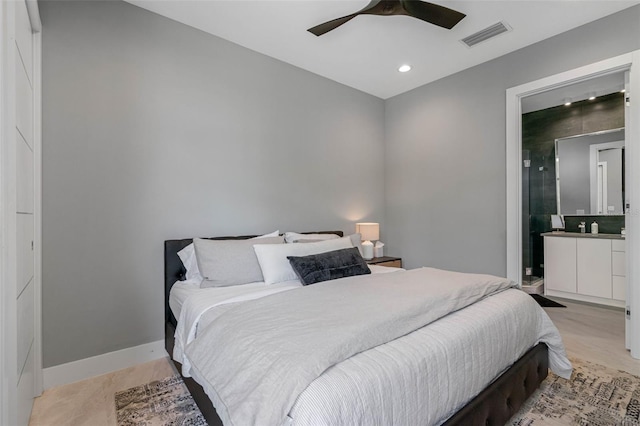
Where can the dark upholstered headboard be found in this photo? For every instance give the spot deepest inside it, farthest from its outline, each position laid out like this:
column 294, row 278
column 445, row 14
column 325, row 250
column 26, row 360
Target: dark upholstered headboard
column 175, row 271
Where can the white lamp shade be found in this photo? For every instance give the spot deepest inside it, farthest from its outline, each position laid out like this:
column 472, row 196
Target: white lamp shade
column 369, row 231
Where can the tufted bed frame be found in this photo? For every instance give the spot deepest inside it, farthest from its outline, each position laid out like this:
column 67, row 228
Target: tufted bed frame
column 494, row 406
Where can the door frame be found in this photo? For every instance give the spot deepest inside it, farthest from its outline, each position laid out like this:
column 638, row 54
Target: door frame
column 594, row 158
column 628, row 62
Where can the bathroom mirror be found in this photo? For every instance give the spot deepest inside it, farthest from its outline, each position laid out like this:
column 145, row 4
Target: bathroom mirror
column 590, row 173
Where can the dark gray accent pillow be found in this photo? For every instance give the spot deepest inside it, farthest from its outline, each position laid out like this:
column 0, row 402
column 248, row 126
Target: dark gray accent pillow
column 329, row 266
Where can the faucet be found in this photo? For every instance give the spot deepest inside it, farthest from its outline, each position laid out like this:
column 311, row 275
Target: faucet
column 583, row 227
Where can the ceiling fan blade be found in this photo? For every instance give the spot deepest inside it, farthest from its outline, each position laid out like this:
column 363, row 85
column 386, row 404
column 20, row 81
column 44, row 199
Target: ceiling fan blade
column 335, row 23
column 433, row 13
column 331, row 25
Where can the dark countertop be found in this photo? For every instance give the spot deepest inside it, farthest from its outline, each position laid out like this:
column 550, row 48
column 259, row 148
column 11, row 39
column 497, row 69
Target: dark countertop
column 581, row 235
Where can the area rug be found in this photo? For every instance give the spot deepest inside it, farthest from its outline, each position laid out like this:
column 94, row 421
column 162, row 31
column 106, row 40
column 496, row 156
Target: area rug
column 546, row 303
column 595, row 395
column 159, row 403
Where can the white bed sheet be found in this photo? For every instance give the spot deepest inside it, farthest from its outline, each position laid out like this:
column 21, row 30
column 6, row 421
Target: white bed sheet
column 180, row 292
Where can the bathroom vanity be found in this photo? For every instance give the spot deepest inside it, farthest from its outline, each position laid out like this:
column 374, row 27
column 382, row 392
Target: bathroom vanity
column 585, row 267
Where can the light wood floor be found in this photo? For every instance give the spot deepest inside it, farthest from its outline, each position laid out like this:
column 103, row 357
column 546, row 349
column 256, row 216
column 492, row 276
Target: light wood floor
column 590, row 333
column 594, row 334
column 91, row 402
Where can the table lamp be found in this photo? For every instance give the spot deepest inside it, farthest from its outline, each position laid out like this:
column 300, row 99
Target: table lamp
column 369, row 231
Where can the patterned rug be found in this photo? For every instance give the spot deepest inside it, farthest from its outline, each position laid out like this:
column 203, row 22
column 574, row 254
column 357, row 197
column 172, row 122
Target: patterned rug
column 159, row 403
column 595, row 396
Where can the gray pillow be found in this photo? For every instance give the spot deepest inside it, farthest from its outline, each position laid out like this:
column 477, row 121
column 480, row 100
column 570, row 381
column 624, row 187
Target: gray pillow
column 330, row 265
column 224, row 263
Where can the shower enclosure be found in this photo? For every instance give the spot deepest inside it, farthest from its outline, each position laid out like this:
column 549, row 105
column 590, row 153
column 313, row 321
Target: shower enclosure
column 538, row 204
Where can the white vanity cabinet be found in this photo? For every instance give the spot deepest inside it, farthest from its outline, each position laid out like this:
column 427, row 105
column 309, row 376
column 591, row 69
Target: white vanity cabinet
column 586, row 268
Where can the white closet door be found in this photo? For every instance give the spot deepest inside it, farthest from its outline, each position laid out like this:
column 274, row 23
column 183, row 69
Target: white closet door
column 25, row 312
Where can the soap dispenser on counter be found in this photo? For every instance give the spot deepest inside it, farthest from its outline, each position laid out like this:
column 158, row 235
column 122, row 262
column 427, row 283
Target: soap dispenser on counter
column 583, row 227
column 594, row 227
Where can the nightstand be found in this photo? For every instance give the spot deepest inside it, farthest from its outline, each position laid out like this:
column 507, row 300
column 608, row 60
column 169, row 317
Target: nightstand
column 390, row 261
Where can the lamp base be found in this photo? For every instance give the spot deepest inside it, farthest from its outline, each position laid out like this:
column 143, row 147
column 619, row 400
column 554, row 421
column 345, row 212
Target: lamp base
column 367, row 250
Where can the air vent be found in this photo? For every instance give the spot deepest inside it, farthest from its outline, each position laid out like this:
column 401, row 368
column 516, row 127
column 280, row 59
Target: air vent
column 486, row 34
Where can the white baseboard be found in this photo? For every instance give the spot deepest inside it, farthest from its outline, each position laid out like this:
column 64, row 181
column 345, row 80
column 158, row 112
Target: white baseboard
column 102, row 364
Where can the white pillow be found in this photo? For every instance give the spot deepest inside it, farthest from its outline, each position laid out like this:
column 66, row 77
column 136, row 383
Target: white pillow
column 188, row 257
column 294, row 237
column 273, row 257
column 224, row 263
column 356, row 240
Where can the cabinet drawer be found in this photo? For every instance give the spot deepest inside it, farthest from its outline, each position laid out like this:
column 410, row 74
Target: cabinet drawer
column 618, row 245
column 619, row 288
column 619, row 263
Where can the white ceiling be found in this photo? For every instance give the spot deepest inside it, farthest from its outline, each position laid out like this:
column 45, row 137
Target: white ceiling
column 576, row 92
column 366, row 52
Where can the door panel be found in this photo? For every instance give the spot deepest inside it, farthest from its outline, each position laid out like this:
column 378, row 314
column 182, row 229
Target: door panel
column 560, row 264
column 594, row 267
column 26, row 315
column 24, row 103
column 25, row 176
column 25, row 389
column 25, row 251
column 24, row 38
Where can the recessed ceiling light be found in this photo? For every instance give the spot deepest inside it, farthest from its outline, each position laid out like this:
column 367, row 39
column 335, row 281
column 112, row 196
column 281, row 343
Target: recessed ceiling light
column 591, row 98
column 404, row 68
column 567, row 101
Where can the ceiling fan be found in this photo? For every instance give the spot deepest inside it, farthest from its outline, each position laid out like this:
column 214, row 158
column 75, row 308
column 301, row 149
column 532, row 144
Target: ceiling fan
column 428, row 12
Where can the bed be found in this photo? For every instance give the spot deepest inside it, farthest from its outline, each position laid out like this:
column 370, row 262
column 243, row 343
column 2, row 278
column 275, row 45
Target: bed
column 493, row 399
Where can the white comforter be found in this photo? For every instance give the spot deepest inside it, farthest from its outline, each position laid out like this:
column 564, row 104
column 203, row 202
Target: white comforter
column 425, row 376
column 197, row 311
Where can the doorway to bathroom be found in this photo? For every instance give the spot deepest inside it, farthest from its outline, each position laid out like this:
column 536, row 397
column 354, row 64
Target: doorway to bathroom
column 560, row 129
column 629, row 247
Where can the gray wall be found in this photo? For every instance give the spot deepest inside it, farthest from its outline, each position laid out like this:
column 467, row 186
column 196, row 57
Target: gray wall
column 445, row 177
column 153, row 130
